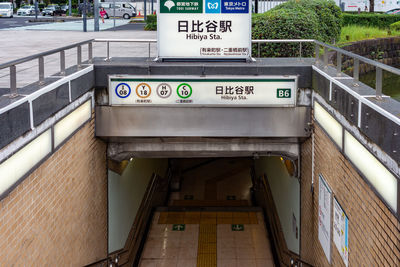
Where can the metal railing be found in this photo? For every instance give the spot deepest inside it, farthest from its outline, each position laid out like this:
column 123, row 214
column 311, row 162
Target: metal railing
column 12, row 65
column 108, row 41
column 356, row 70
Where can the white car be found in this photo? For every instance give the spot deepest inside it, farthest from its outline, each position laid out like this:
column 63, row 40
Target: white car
column 26, row 11
column 6, row 10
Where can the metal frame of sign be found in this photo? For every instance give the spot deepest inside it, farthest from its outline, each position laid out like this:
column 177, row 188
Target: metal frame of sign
column 191, row 78
column 248, row 58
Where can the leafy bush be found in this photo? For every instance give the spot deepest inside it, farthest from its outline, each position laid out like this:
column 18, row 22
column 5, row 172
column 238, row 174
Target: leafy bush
column 285, row 24
column 395, row 26
column 151, row 23
column 370, row 19
column 296, row 19
column 328, row 13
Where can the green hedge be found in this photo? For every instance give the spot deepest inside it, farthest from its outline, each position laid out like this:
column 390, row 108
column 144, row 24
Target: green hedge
column 370, row 20
column 395, row 26
column 296, row 19
column 151, row 23
column 328, row 13
column 285, row 24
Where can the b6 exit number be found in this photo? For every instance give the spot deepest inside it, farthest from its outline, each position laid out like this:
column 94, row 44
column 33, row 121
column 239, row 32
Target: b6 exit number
column 283, row 93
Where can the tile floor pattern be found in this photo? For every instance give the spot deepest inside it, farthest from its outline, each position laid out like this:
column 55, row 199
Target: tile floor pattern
column 207, row 241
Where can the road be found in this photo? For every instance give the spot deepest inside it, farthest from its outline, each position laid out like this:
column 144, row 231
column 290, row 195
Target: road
column 70, row 24
column 16, row 22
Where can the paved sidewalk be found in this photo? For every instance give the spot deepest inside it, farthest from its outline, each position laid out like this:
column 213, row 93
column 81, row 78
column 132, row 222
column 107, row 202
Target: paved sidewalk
column 76, row 25
column 19, row 44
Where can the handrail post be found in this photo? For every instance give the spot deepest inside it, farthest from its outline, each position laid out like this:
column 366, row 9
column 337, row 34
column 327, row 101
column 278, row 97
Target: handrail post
column 62, row 62
column 378, row 84
column 149, row 49
column 13, row 81
column 79, row 56
column 259, row 51
column 300, row 50
column 325, row 56
column 90, row 52
column 41, row 70
column 356, row 70
column 339, row 63
column 316, row 52
column 108, row 51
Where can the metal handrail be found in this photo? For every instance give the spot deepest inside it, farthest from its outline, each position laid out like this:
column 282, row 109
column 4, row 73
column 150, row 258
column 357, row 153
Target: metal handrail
column 340, row 52
column 108, row 41
column 40, row 57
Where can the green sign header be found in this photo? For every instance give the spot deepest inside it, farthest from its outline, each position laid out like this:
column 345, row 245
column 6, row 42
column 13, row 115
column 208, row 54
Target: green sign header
column 181, row 6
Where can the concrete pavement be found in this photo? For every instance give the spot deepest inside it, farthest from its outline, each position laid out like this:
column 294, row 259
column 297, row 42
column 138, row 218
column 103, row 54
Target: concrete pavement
column 18, row 44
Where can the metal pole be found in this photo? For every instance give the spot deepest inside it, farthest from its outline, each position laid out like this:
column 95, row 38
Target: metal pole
column 69, row 7
column 96, row 15
column 378, row 84
column 90, row 52
column 62, row 62
column 108, row 51
column 325, row 56
column 41, row 70
column 256, row 6
column 145, row 10
column 356, row 70
column 300, row 50
column 316, row 52
column 339, row 63
column 152, row 6
column 114, row 13
column 36, row 9
column 79, row 56
column 84, row 16
column 13, row 81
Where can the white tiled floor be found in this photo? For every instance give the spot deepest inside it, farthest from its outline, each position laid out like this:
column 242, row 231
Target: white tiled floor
column 167, row 248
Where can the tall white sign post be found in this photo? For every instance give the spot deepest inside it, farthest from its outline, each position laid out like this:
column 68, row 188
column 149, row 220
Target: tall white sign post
column 204, row 29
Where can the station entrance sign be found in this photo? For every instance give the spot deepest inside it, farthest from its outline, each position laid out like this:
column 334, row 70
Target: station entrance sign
column 204, row 29
column 246, row 91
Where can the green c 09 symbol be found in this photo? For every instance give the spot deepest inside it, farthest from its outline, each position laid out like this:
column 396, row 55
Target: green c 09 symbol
column 184, row 90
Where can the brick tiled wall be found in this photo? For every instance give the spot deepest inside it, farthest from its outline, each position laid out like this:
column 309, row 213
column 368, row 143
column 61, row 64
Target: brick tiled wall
column 58, row 215
column 374, row 232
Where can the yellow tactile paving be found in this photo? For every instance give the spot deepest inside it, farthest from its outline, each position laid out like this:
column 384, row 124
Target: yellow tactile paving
column 207, row 248
column 175, row 217
column 253, row 218
column 163, row 218
column 207, row 244
column 224, row 214
column 207, row 217
column 192, row 218
column 207, row 260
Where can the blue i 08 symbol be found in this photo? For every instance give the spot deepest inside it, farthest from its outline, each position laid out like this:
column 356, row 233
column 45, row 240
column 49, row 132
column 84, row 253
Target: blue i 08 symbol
column 123, row 90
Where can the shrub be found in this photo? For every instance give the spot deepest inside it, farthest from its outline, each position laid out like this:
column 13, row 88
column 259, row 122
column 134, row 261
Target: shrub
column 395, row 26
column 370, row 20
column 285, row 24
column 328, row 14
column 151, row 23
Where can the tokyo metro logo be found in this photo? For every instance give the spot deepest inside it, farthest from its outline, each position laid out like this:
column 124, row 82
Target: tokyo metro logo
column 213, row 6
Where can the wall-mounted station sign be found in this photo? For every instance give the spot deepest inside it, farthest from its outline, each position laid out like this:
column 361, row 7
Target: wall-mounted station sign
column 186, row 91
column 204, row 29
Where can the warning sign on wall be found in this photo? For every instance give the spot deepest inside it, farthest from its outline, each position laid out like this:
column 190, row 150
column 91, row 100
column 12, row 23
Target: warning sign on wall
column 324, row 217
